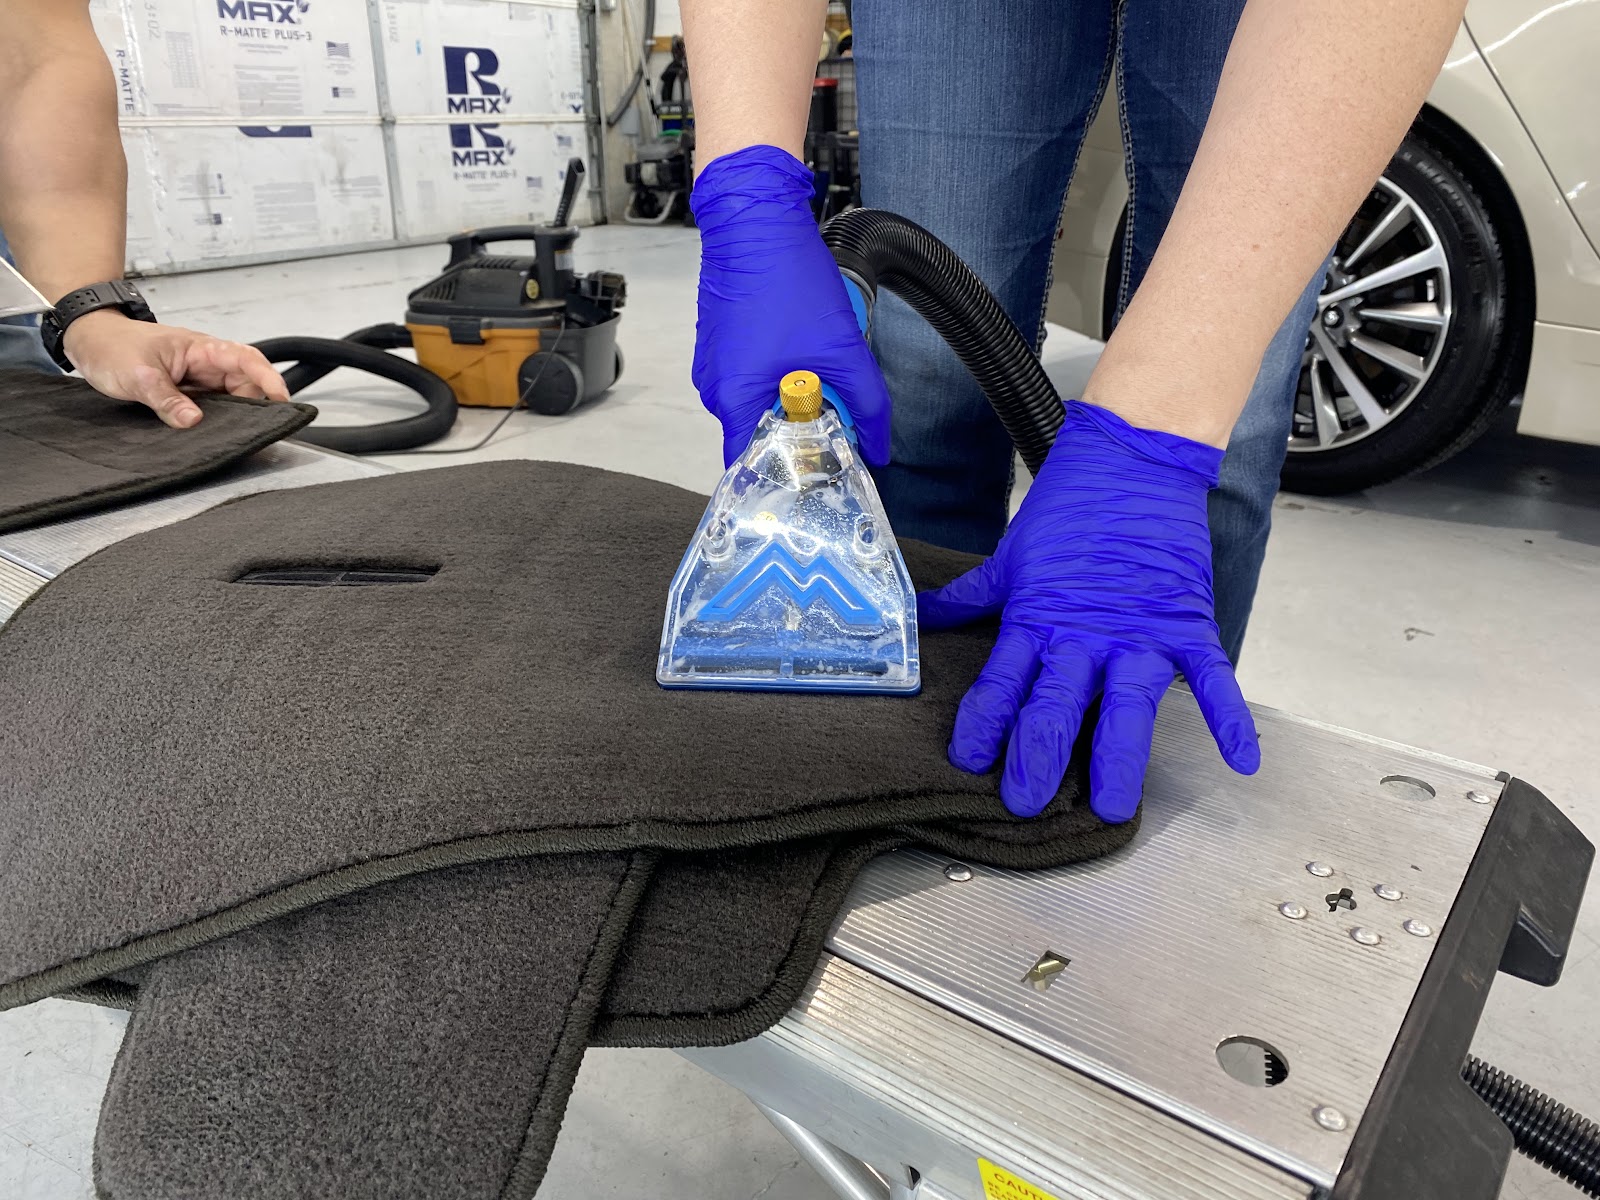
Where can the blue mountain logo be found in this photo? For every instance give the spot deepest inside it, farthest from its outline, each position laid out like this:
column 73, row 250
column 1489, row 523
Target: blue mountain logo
column 776, row 567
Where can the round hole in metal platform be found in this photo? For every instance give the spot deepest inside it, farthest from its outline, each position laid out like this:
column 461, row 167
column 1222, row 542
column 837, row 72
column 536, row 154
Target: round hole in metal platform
column 1409, row 787
column 1252, row 1061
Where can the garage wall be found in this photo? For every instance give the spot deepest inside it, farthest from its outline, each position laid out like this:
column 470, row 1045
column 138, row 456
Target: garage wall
column 269, row 129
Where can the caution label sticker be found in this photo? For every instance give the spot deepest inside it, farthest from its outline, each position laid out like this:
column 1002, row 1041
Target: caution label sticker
column 1001, row 1184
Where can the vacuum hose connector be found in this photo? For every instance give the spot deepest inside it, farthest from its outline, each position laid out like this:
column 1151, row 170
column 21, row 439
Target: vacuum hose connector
column 882, row 250
column 1555, row 1137
column 801, row 395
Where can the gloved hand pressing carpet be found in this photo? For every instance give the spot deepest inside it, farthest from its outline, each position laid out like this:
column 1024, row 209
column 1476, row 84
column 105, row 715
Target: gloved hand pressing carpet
column 772, row 301
column 1103, row 584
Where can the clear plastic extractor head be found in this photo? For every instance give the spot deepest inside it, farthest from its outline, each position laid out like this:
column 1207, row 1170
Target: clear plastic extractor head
column 793, row 580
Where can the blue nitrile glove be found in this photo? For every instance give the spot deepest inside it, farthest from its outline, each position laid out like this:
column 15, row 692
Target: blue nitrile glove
column 772, row 301
column 1102, row 583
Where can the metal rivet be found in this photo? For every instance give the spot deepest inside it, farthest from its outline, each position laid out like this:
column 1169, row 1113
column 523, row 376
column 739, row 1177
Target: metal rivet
column 1330, row 1118
column 1320, row 869
column 1295, row 912
column 1365, row 936
column 959, row 872
column 1417, row 928
column 1480, row 797
column 1387, row 891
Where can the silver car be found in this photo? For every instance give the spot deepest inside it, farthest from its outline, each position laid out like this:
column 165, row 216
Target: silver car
column 1469, row 276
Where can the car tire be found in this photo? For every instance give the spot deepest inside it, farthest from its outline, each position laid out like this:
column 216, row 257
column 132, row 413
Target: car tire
column 1482, row 360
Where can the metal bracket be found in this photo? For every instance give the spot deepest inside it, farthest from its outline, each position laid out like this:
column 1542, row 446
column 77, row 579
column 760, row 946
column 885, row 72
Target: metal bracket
column 1425, row 1132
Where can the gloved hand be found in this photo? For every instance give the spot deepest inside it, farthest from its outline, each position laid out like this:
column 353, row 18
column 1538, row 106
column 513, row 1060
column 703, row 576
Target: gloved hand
column 772, row 301
column 1103, row 584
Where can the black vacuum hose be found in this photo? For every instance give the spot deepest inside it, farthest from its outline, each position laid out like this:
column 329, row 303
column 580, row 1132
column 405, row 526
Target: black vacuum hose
column 386, row 336
column 318, row 356
column 887, row 251
column 1551, row 1134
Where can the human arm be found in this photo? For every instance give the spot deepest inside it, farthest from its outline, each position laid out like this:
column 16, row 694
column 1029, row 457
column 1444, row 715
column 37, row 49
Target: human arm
column 752, row 63
column 1292, row 146
column 63, row 205
column 1103, row 581
column 771, row 300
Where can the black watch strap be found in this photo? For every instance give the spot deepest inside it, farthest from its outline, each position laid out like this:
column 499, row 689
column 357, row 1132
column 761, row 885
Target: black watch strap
column 115, row 293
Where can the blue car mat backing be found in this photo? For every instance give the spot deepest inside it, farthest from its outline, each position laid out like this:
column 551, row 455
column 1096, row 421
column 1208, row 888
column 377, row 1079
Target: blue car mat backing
column 415, row 1041
column 313, row 741
column 66, row 450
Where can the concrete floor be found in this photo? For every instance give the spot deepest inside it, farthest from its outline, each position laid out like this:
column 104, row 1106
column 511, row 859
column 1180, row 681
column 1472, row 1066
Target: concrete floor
column 1455, row 611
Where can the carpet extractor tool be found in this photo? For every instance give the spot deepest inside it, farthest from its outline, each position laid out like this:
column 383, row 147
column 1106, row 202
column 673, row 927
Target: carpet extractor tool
column 491, row 331
column 793, row 580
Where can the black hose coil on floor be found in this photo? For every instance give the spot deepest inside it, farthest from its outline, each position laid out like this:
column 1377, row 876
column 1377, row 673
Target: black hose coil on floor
column 1550, row 1133
column 366, row 350
column 887, row 251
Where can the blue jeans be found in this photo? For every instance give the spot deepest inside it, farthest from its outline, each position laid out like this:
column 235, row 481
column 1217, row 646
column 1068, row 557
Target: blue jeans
column 19, row 336
column 971, row 120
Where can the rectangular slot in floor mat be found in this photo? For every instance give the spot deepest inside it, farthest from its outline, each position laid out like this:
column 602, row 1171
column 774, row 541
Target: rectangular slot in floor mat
column 65, row 449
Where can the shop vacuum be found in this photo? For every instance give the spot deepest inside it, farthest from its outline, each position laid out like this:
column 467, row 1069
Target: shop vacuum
column 491, row 331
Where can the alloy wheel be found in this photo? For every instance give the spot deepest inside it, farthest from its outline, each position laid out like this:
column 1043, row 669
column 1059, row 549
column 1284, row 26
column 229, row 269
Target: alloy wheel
column 1382, row 320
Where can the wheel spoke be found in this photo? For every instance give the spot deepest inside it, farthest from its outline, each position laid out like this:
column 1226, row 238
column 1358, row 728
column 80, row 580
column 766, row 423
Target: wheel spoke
column 1408, row 364
column 1322, row 406
column 1366, row 403
column 1431, row 259
column 1424, row 314
column 1391, row 223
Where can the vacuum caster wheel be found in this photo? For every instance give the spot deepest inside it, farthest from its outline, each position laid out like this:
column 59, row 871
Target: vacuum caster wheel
column 617, row 374
column 550, row 384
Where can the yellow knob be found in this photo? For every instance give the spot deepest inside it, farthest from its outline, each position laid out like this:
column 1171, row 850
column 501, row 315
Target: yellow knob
column 801, row 393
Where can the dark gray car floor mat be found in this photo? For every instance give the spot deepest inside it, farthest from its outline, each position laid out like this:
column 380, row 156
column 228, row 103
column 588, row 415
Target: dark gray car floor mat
column 417, row 1041
column 317, row 740
column 65, row 449
column 429, row 1017
column 683, row 981
column 229, row 781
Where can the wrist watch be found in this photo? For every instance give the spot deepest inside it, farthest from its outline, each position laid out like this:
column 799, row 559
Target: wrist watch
column 117, row 293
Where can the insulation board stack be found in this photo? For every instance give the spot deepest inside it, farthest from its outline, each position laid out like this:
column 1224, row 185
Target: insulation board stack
column 253, row 129
column 487, row 102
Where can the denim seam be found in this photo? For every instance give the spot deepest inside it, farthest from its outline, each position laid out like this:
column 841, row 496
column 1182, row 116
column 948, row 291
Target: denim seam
column 1055, row 241
column 1055, row 238
column 1128, row 156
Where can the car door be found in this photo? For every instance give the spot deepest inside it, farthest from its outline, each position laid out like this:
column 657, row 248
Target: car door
column 1543, row 53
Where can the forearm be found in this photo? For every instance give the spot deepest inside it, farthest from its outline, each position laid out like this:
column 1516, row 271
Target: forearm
column 1289, row 151
column 63, row 178
column 751, row 63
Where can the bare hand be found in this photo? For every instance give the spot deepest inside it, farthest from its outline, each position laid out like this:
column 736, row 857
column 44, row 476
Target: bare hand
column 148, row 363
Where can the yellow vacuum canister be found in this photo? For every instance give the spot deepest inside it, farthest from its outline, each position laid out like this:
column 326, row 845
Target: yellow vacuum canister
column 481, row 361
